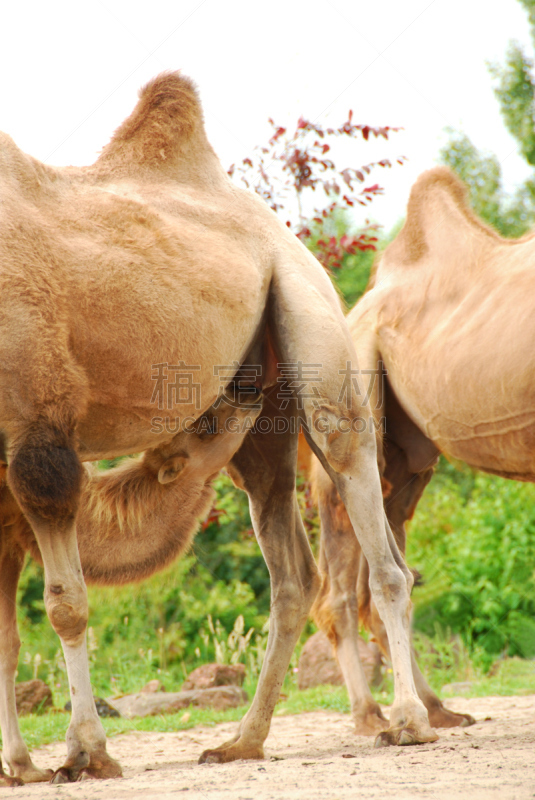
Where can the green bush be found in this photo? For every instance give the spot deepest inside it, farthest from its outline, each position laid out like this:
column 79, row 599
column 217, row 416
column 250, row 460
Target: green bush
column 473, row 538
column 161, row 625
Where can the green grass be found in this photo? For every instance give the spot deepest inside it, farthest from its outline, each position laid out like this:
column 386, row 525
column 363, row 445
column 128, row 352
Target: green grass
column 51, row 727
column 510, row 676
column 45, row 728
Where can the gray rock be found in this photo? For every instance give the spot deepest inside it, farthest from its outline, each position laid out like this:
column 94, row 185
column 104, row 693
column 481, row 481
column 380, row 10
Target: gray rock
column 33, row 697
column 210, row 675
column 463, row 687
column 149, row 705
column 153, row 686
column 318, row 665
column 104, row 709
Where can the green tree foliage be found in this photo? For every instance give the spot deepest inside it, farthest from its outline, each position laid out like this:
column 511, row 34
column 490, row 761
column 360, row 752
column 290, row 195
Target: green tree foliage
column 515, row 91
column 482, row 173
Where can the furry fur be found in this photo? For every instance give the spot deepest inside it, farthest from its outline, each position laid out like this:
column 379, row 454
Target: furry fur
column 167, row 115
column 145, row 265
column 140, row 524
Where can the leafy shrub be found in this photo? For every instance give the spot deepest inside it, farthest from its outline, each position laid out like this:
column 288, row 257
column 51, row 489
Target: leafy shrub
column 160, row 625
column 473, row 538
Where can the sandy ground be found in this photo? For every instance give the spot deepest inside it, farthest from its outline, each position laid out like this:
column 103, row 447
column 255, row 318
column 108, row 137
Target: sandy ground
column 316, row 756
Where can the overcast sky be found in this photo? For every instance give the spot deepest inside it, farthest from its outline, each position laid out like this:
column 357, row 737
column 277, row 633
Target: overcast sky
column 71, row 70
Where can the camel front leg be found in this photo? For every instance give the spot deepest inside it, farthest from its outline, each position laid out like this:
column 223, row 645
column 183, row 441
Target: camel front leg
column 66, row 605
column 45, row 477
column 265, row 468
column 15, row 751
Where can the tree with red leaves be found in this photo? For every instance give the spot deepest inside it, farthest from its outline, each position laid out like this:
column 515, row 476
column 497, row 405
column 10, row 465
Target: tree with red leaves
column 292, row 164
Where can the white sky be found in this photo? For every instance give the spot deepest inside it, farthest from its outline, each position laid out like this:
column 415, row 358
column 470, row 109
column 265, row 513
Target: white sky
column 70, row 71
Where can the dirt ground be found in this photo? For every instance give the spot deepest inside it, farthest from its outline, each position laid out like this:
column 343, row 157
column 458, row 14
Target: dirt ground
column 316, row 756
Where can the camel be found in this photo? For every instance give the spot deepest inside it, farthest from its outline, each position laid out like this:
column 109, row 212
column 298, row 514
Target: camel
column 444, row 328
column 136, row 295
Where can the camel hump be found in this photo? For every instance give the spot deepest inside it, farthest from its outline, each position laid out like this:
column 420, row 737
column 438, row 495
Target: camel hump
column 438, row 203
column 443, row 179
column 20, row 172
column 167, row 115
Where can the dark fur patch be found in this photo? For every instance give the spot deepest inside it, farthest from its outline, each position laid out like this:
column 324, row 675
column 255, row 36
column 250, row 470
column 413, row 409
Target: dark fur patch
column 45, row 476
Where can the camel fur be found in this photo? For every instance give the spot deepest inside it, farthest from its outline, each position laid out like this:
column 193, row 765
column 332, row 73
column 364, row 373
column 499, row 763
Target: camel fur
column 152, row 260
column 447, row 318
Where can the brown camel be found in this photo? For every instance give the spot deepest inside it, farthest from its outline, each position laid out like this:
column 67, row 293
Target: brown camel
column 446, row 326
column 149, row 281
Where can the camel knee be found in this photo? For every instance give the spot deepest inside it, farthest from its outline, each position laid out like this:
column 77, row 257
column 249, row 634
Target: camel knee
column 390, row 590
column 67, row 609
column 342, row 436
column 45, row 474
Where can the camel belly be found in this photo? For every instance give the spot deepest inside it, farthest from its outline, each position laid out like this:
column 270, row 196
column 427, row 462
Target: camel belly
column 466, row 378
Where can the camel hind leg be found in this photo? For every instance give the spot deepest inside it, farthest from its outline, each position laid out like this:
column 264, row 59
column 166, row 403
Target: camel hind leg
column 336, row 609
column 265, row 468
column 309, row 330
column 345, row 591
column 406, row 489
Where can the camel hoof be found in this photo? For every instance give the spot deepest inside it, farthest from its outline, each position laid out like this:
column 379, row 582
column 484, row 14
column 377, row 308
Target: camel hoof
column 61, row 775
column 99, row 768
column 404, row 737
column 28, row 773
column 370, row 725
column 36, row 775
column 468, row 720
column 442, row 718
column 10, row 781
column 232, row 752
